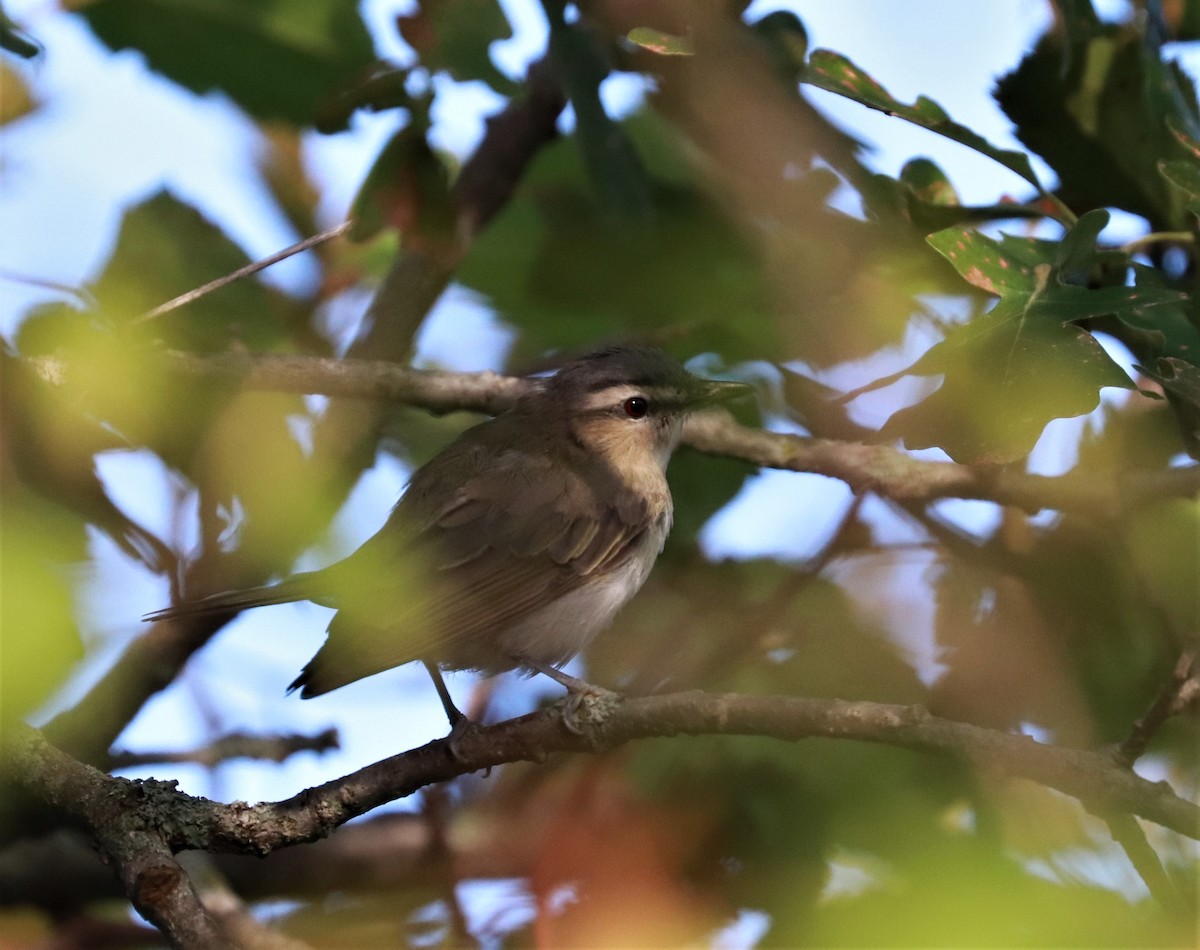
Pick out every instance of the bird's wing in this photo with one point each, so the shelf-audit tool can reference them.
(504, 544)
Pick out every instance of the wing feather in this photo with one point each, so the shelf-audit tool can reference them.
(501, 547)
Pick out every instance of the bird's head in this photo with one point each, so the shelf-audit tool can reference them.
(628, 403)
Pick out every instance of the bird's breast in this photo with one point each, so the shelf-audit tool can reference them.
(566, 626)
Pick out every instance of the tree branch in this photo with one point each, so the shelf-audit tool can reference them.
(186, 822)
(235, 745)
(877, 468)
(1166, 704)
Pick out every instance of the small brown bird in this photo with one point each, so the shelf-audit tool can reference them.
(516, 544)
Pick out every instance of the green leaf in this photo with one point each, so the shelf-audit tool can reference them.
(656, 41)
(275, 58)
(1160, 331)
(166, 247)
(16, 40)
(837, 74)
(613, 165)
(383, 86)
(783, 35)
(1009, 372)
(408, 188)
(561, 267)
(1180, 381)
(1098, 111)
(455, 35)
(1186, 177)
(38, 634)
(924, 196)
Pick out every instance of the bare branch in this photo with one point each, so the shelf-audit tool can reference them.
(1166, 704)
(235, 745)
(160, 889)
(877, 468)
(195, 823)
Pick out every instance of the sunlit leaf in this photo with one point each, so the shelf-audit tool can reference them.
(835, 73)
(38, 637)
(1010, 371)
(166, 247)
(656, 41)
(16, 100)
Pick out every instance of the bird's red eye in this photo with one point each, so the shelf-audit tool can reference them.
(636, 407)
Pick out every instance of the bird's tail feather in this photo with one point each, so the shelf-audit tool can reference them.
(298, 587)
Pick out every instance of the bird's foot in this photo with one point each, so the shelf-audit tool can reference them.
(461, 728)
(586, 704)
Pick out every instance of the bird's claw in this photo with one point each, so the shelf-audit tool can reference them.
(463, 727)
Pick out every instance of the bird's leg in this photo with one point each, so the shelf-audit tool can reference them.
(460, 722)
(580, 693)
(456, 716)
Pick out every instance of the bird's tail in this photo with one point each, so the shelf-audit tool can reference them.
(298, 587)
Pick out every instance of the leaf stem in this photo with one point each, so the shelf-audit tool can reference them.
(1137, 245)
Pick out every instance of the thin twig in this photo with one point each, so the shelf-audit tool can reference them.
(1164, 706)
(235, 745)
(1146, 241)
(249, 269)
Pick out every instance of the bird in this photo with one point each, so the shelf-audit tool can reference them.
(515, 545)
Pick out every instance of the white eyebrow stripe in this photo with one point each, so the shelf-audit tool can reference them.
(611, 396)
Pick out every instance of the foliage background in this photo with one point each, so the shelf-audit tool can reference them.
(702, 202)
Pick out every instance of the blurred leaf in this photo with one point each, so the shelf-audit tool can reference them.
(1117, 650)
(1164, 547)
(1006, 664)
(166, 247)
(656, 41)
(1186, 177)
(381, 86)
(924, 195)
(407, 188)
(15, 98)
(1013, 369)
(558, 266)
(38, 636)
(835, 73)
(613, 165)
(17, 42)
(701, 486)
(1180, 381)
(454, 35)
(786, 40)
(1184, 20)
(764, 830)
(276, 59)
(52, 439)
(960, 893)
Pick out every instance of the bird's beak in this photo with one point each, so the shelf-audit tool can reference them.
(711, 391)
